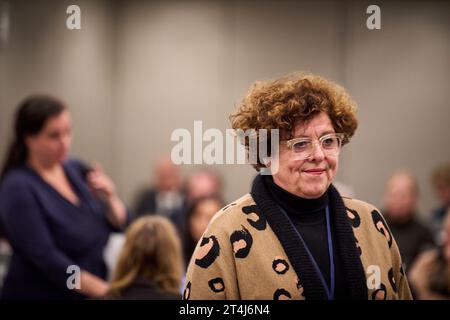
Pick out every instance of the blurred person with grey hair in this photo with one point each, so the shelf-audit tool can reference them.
(203, 183)
(400, 211)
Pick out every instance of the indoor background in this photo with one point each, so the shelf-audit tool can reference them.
(137, 70)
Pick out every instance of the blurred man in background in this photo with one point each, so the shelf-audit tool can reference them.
(400, 209)
(165, 197)
(203, 183)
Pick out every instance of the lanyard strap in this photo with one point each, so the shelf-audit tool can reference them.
(329, 290)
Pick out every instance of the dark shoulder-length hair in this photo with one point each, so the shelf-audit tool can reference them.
(189, 242)
(31, 116)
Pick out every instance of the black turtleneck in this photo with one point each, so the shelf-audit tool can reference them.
(309, 218)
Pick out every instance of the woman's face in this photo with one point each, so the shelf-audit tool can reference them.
(201, 216)
(308, 178)
(52, 143)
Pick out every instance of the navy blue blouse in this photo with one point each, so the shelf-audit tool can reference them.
(48, 234)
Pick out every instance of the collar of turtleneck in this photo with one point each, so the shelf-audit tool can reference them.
(301, 208)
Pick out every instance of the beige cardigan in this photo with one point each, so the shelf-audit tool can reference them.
(238, 259)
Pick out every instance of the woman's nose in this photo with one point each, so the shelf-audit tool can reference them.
(316, 152)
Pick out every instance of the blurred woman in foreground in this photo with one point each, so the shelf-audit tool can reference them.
(150, 264)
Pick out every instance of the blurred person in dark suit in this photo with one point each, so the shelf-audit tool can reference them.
(400, 211)
(57, 213)
(165, 197)
(203, 183)
(150, 263)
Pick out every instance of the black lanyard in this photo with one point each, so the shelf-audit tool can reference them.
(330, 291)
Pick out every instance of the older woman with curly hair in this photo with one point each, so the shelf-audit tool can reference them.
(293, 236)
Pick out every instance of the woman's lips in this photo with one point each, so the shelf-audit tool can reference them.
(316, 172)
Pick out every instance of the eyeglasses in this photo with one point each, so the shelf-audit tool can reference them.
(303, 148)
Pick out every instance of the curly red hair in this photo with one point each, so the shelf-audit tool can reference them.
(298, 97)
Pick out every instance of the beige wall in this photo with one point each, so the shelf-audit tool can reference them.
(43, 56)
(400, 78)
(187, 61)
(140, 69)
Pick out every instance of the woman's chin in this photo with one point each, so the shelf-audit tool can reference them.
(315, 189)
(313, 193)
